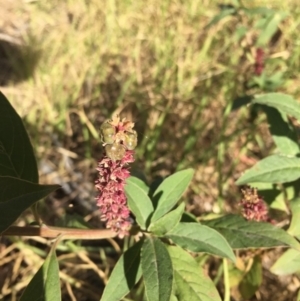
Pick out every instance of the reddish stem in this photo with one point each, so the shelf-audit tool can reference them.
(54, 232)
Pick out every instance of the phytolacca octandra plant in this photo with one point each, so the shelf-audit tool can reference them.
(259, 61)
(119, 140)
(253, 205)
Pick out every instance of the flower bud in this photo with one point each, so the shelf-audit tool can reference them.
(130, 140)
(107, 133)
(115, 151)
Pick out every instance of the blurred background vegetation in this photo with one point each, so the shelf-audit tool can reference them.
(182, 70)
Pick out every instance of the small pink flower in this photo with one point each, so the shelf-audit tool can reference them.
(259, 61)
(111, 199)
(253, 206)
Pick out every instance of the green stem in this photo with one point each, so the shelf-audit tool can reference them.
(226, 280)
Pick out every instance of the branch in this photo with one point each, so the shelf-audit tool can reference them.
(54, 232)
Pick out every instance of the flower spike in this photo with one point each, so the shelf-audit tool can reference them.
(119, 139)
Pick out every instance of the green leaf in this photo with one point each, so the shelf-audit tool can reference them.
(45, 284)
(279, 202)
(243, 234)
(270, 29)
(287, 263)
(264, 11)
(17, 195)
(190, 281)
(168, 221)
(224, 13)
(252, 280)
(16, 154)
(138, 201)
(284, 138)
(273, 169)
(170, 191)
(157, 270)
(140, 183)
(279, 101)
(125, 274)
(198, 238)
(294, 228)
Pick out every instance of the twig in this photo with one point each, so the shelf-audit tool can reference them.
(54, 232)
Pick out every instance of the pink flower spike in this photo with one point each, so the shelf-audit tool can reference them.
(113, 170)
(253, 206)
(259, 61)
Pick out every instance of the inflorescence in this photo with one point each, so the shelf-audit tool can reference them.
(119, 140)
(253, 206)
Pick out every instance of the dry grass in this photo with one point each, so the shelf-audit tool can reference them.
(73, 63)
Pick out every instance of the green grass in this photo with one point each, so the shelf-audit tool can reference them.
(95, 57)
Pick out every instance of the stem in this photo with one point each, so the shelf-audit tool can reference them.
(54, 232)
(226, 280)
